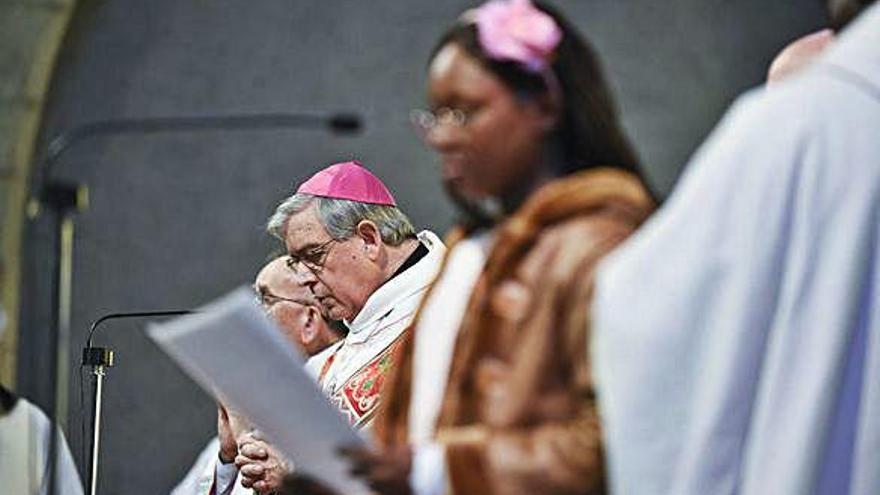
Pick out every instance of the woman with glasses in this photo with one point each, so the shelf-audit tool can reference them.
(493, 393)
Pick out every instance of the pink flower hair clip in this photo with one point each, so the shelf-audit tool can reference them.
(516, 31)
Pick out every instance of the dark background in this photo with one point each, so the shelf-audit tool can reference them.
(177, 220)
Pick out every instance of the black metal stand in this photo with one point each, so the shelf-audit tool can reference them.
(100, 359)
(65, 201)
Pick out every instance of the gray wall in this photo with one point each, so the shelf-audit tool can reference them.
(176, 220)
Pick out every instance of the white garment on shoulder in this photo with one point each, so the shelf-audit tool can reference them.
(24, 449)
(736, 336)
(434, 343)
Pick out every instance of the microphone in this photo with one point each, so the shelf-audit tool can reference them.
(101, 358)
(337, 123)
(122, 316)
(346, 123)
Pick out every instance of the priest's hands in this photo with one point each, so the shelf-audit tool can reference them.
(386, 471)
(260, 465)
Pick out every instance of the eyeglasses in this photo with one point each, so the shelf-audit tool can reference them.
(266, 299)
(426, 120)
(313, 258)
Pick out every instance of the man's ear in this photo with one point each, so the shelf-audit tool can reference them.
(309, 331)
(369, 233)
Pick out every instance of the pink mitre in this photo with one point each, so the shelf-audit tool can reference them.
(348, 180)
(798, 54)
(517, 31)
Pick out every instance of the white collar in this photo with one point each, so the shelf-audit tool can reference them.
(406, 284)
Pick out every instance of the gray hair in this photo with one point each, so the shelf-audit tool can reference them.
(340, 217)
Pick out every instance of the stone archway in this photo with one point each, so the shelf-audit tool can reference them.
(31, 32)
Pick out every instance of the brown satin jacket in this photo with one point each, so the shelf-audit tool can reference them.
(519, 413)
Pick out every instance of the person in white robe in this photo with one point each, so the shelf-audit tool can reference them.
(736, 340)
(25, 433)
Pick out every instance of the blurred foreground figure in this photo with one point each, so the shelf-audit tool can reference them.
(737, 336)
(24, 448)
(290, 303)
(493, 394)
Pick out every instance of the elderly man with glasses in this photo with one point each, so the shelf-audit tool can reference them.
(365, 265)
(288, 301)
(284, 295)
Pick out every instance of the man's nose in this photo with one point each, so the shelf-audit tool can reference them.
(310, 280)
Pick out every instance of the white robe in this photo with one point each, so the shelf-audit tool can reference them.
(24, 449)
(736, 338)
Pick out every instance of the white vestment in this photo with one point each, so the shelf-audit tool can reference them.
(24, 449)
(353, 374)
(736, 337)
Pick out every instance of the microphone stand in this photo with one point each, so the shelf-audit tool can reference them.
(65, 199)
(101, 359)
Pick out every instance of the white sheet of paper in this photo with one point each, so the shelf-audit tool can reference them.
(232, 349)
